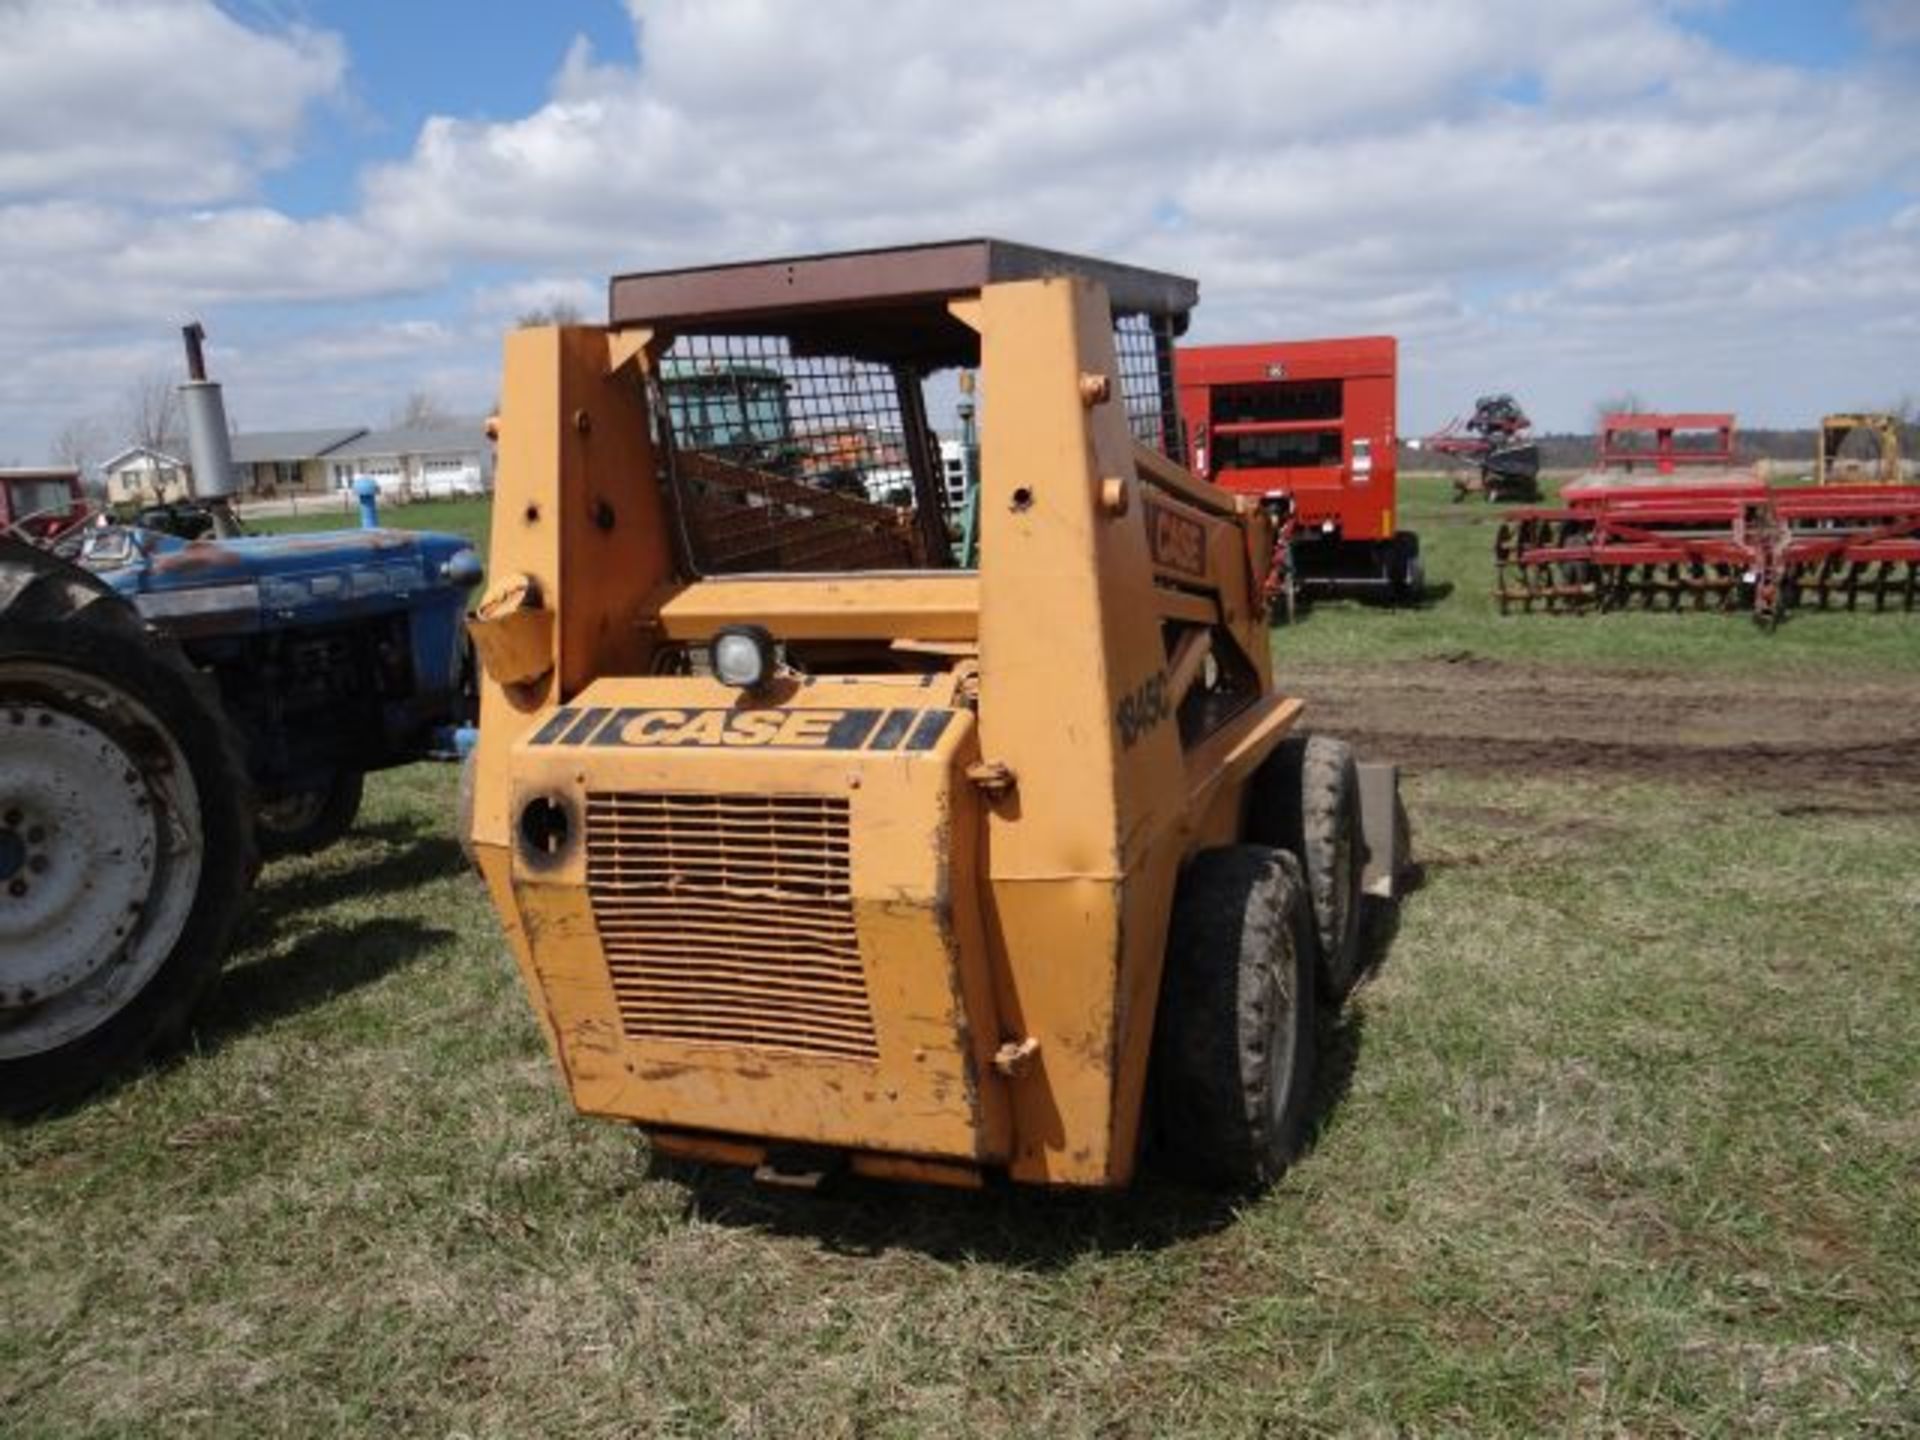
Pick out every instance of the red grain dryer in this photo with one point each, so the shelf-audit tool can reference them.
(1309, 426)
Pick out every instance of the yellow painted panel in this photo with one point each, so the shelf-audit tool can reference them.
(928, 1086)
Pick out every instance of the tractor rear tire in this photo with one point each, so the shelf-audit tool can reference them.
(1306, 801)
(305, 822)
(126, 834)
(1233, 1062)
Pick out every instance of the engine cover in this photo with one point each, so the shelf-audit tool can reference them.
(748, 916)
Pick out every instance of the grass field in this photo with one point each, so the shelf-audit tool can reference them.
(1622, 1138)
(462, 517)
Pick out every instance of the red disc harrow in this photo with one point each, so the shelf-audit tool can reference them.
(1726, 545)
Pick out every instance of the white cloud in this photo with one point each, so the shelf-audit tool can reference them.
(254, 253)
(1544, 196)
(164, 100)
(1354, 145)
(505, 304)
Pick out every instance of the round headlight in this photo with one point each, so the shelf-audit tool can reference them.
(743, 656)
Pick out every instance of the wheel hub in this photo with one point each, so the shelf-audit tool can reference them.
(99, 854)
(83, 844)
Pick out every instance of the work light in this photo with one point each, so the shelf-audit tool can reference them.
(743, 656)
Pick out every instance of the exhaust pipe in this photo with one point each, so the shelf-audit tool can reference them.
(208, 448)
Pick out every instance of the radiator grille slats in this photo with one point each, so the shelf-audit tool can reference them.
(728, 919)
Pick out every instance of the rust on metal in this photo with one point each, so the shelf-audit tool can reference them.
(878, 278)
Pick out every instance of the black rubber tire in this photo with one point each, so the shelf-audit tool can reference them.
(334, 808)
(56, 614)
(1306, 800)
(1233, 1061)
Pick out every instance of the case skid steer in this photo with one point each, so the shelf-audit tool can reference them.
(818, 851)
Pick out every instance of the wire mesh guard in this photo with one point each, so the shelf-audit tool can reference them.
(795, 461)
(798, 462)
(1143, 345)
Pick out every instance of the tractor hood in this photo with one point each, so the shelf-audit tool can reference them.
(264, 580)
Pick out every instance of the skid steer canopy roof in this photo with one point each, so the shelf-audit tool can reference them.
(810, 299)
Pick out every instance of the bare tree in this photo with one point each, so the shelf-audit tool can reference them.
(81, 443)
(420, 411)
(554, 312)
(1626, 402)
(150, 412)
(1906, 415)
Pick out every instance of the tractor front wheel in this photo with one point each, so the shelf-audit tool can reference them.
(303, 822)
(1233, 1060)
(126, 839)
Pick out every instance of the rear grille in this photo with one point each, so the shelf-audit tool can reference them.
(729, 919)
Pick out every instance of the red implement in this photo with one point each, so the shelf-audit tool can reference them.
(1308, 426)
(1723, 544)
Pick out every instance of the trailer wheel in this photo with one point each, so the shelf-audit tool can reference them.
(1306, 801)
(126, 834)
(1234, 1040)
(303, 822)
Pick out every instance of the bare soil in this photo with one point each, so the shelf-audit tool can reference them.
(1848, 745)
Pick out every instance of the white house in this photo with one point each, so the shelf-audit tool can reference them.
(141, 475)
(288, 462)
(418, 463)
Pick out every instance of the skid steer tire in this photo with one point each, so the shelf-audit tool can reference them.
(1233, 1059)
(126, 834)
(1306, 801)
(308, 821)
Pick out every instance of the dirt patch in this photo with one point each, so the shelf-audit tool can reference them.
(1468, 712)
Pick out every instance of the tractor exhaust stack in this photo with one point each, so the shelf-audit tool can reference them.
(207, 445)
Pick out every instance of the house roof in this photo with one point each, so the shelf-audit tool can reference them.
(464, 438)
(134, 452)
(264, 446)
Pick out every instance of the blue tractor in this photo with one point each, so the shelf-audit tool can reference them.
(171, 710)
(334, 653)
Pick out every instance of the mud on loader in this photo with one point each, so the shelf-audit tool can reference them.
(819, 852)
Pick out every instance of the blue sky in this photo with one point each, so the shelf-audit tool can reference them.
(504, 62)
(1715, 205)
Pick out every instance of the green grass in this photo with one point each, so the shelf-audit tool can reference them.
(1624, 1137)
(472, 518)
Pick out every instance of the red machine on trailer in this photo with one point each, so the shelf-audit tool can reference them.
(1309, 426)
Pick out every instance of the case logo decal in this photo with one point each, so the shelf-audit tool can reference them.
(664, 727)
